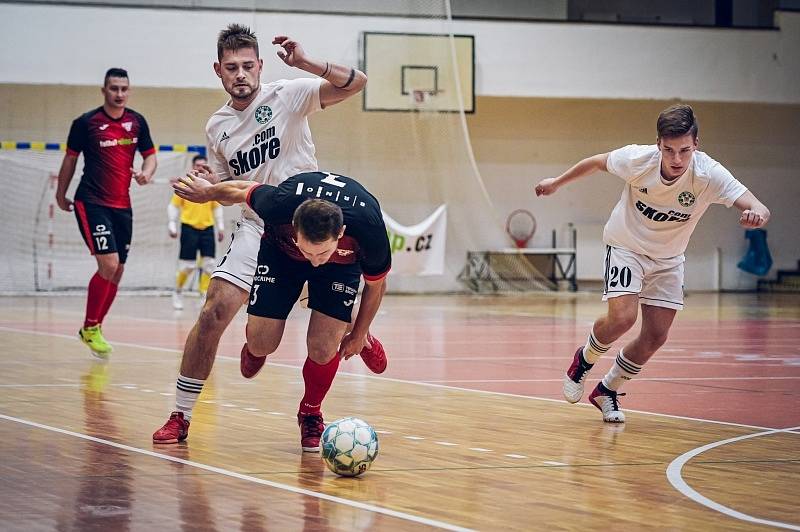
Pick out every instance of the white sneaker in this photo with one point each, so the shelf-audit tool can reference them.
(177, 301)
(576, 377)
(606, 400)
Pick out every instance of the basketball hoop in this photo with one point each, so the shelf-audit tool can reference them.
(520, 226)
(423, 99)
(419, 97)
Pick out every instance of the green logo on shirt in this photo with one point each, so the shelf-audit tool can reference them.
(263, 114)
(686, 198)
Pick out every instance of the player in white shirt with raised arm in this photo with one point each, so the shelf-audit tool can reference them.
(668, 187)
(261, 134)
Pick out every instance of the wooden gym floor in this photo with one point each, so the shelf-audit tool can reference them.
(473, 431)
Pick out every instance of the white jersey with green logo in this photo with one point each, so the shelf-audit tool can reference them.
(655, 218)
(270, 140)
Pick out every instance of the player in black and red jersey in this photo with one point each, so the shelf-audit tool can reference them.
(108, 137)
(320, 228)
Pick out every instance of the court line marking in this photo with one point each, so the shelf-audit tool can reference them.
(519, 396)
(248, 478)
(777, 378)
(401, 381)
(777, 322)
(674, 476)
(39, 385)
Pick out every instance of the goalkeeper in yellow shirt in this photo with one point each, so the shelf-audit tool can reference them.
(197, 234)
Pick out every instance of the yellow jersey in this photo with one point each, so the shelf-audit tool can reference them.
(197, 215)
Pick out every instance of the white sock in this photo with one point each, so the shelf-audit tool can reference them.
(593, 349)
(186, 394)
(623, 370)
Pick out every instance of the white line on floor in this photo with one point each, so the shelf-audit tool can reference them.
(401, 381)
(675, 478)
(248, 478)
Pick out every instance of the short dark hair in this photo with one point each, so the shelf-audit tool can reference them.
(234, 37)
(318, 220)
(677, 121)
(198, 157)
(114, 73)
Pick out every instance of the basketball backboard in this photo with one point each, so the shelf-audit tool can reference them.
(402, 66)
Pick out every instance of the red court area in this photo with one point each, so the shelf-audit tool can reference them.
(729, 358)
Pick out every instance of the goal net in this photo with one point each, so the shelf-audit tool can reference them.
(43, 249)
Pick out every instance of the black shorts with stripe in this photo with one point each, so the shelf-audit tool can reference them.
(279, 279)
(105, 229)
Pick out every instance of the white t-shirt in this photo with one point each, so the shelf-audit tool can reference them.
(269, 141)
(654, 218)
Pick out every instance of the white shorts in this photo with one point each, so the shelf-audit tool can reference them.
(657, 282)
(238, 265)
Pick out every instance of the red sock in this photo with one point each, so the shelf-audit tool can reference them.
(95, 300)
(111, 293)
(318, 379)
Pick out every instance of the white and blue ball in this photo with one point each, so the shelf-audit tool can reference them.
(349, 446)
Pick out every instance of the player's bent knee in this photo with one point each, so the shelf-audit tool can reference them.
(626, 321)
(620, 323)
(107, 266)
(215, 315)
(117, 277)
(321, 353)
(260, 346)
(656, 340)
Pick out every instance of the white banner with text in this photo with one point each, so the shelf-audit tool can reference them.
(418, 249)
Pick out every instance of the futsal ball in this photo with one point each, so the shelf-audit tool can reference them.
(349, 446)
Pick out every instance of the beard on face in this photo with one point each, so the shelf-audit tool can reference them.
(241, 91)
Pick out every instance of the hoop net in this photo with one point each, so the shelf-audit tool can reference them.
(422, 100)
(520, 226)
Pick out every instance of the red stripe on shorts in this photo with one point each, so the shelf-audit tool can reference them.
(85, 224)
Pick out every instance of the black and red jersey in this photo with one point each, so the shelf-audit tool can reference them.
(108, 146)
(365, 240)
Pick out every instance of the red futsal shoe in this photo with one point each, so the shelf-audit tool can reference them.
(175, 430)
(250, 364)
(311, 429)
(374, 357)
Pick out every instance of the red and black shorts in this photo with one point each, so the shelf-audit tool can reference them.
(105, 229)
(279, 279)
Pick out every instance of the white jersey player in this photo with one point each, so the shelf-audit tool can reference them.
(267, 142)
(261, 134)
(668, 187)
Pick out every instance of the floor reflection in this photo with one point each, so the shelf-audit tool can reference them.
(103, 501)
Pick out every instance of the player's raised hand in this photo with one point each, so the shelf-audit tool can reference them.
(140, 176)
(289, 51)
(752, 219)
(547, 186)
(193, 187)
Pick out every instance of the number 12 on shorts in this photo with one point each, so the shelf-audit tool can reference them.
(101, 243)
